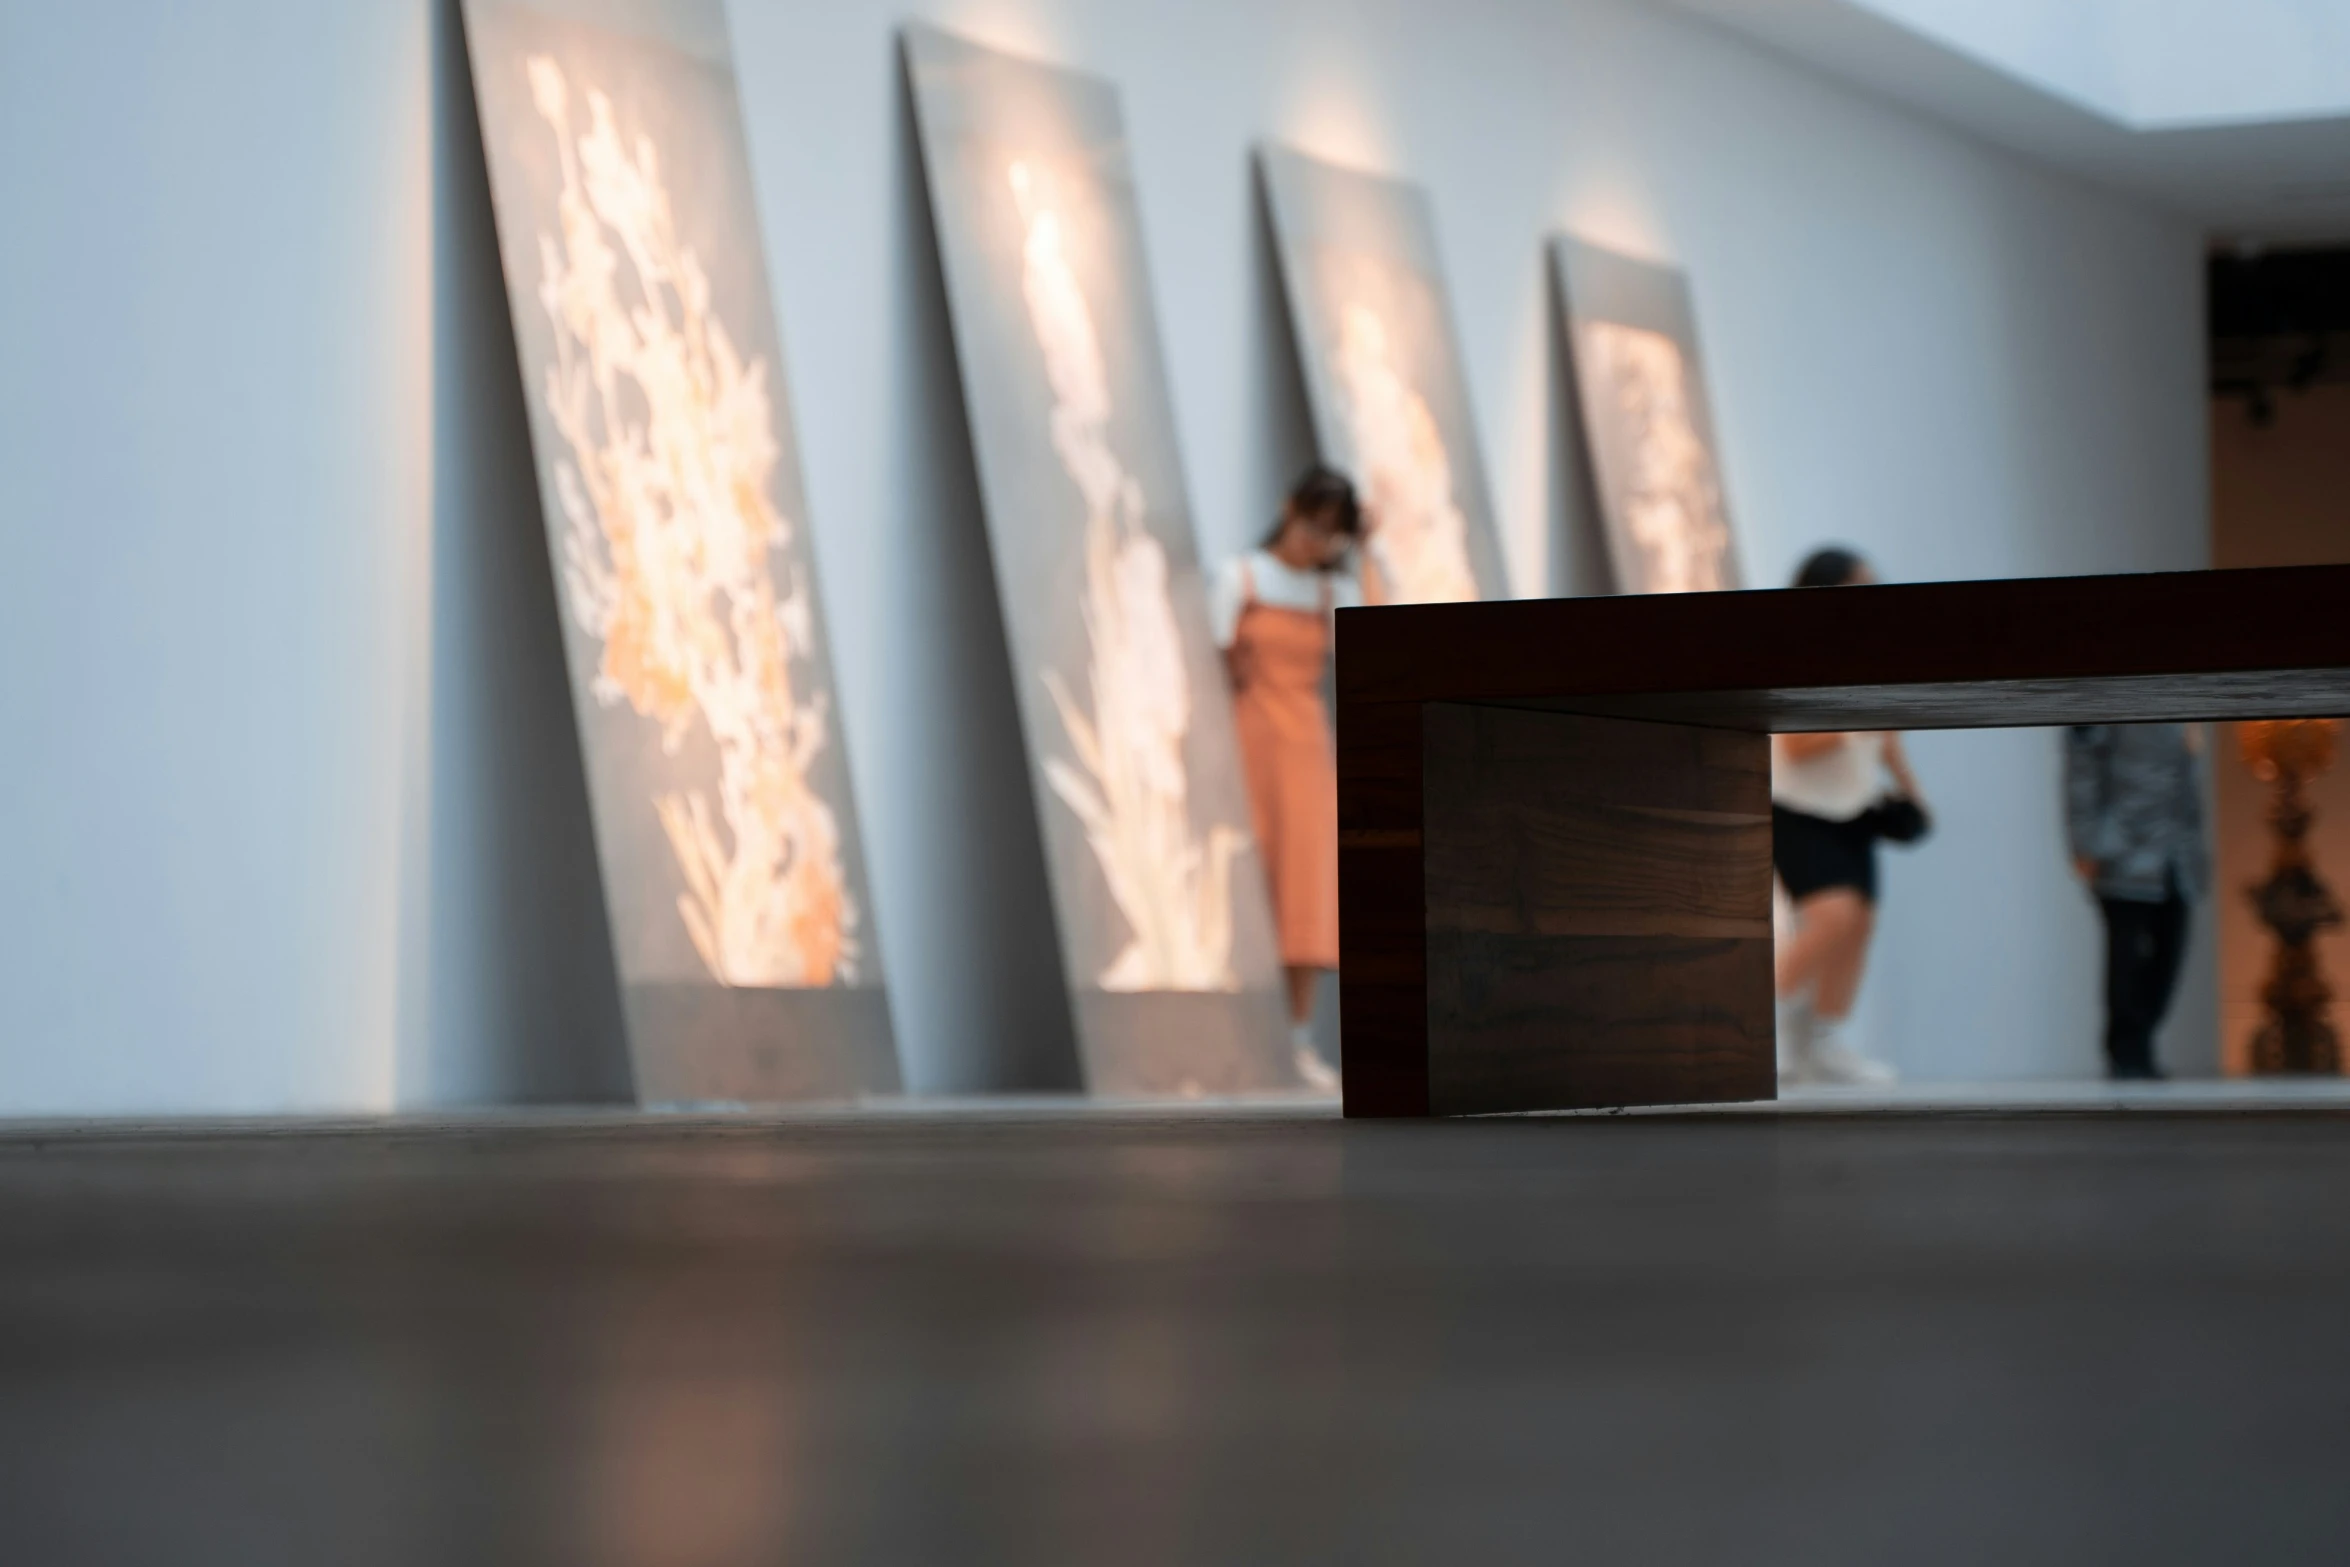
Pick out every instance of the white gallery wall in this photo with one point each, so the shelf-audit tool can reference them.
(290, 817)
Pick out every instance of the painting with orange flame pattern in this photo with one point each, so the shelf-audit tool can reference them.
(685, 580)
(1165, 927)
(1383, 376)
(1647, 425)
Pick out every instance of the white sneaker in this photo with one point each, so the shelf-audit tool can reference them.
(1318, 1075)
(1834, 1061)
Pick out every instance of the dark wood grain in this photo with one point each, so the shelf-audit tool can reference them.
(1983, 704)
(1547, 824)
(1382, 978)
(1597, 907)
(1545, 1023)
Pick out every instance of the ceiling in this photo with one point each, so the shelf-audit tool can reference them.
(2155, 64)
(2234, 114)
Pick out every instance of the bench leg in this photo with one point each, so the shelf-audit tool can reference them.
(1596, 912)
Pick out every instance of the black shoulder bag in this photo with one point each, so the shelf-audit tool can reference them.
(1898, 819)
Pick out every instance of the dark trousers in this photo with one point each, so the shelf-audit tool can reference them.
(2144, 943)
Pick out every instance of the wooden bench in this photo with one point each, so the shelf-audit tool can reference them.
(1554, 814)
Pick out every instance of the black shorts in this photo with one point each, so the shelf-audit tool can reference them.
(1813, 854)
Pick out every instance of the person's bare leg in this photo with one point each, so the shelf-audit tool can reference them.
(1834, 942)
(1302, 981)
(1842, 960)
(1798, 959)
(1825, 925)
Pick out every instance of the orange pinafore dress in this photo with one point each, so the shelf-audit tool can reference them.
(1279, 658)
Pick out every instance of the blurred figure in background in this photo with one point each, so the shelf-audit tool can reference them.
(1271, 612)
(1829, 806)
(2134, 820)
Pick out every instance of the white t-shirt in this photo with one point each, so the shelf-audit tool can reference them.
(1277, 586)
(1836, 785)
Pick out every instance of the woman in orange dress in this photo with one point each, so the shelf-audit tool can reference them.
(1272, 609)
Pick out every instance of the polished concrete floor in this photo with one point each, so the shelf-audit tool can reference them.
(1962, 1330)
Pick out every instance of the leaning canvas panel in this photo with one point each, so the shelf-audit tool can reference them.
(669, 478)
(1383, 376)
(1647, 425)
(1165, 929)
